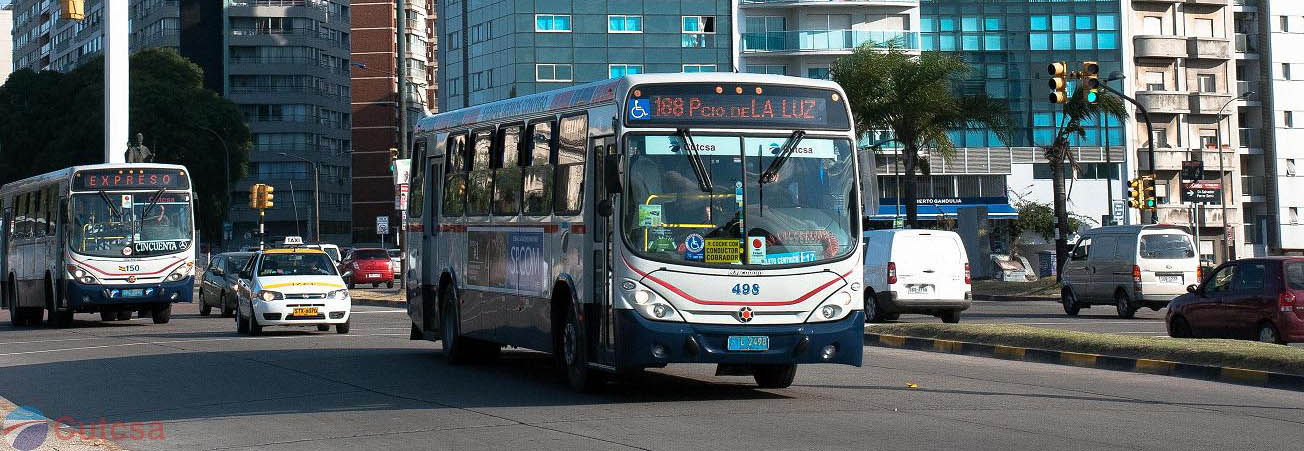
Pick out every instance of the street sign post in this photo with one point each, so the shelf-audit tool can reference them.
(1201, 192)
(1118, 210)
(382, 229)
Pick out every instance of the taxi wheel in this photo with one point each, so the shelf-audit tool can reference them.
(323, 327)
(161, 315)
(774, 376)
(342, 328)
(241, 327)
(255, 329)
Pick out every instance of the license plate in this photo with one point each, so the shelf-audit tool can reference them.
(1170, 279)
(373, 275)
(749, 343)
(133, 293)
(920, 289)
(304, 311)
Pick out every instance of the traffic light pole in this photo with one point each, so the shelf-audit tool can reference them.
(1150, 134)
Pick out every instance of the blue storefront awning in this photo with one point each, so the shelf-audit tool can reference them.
(931, 211)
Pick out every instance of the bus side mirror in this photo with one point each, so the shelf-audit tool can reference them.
(612, 169)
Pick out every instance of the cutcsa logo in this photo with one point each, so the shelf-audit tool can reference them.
(25, 428)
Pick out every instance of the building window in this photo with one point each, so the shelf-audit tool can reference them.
(693, 68)
(1161, 191)
(1285, 71)
(552, 23)
(1289, 117)
(1207, 82)
(1285, 23)
(1152, 25)
(821, 73)
(772, 69)
(1290, 167)
(624, 24)
(1038, 41)
(553, 72)
(1204, 28)
(698, 24)
(1294, 215)
(621, 70)
(1160, 137)
(1154, 81)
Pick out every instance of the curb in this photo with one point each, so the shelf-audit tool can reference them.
(993, 297)
(1134, 365)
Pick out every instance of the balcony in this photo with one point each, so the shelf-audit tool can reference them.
(1211, 215)
(1246, 43)
(1158, 46)
(827, 40)
(1254, 186)
(1171, 160)
(1243, 87)
(1251, 138)
(1208, 48)
(1165, 101)
(1208, 102)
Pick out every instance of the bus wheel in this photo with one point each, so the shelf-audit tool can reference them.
(109, 316)
(774, 376)
(62, 320)
(575, 357)
(162, 315)
(124, 315)
(455, 350)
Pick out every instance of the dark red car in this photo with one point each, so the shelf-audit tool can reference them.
(368, 265)
(1256, 298)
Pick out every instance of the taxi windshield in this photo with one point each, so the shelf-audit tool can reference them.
(296, 264)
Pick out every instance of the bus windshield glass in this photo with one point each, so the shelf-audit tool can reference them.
(803, 214)
(151, 223)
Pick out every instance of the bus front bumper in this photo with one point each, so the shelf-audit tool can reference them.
(646, 343)
(120, 297)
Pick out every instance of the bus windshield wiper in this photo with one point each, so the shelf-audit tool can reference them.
(109, 202)
(153, 200)
(695, 160)
(785, 152)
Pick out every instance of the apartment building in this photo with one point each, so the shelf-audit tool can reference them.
(797, 38)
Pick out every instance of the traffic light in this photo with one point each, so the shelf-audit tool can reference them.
(260, 196)
(393, 157)
(72, 9)
(266, 197)
(1059, 82)
(1148, 192)
(253, 195)
(1135, 193)
(1091, 80)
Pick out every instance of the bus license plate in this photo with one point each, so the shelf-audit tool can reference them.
(133, 293)
(749, 343)
(304, 311)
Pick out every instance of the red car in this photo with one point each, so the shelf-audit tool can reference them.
(1256, 298)
(368, 265)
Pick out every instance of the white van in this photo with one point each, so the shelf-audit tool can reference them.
(1129, 267)
(916, 271)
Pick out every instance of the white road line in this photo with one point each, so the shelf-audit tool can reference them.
(54, 340)
(197, 340)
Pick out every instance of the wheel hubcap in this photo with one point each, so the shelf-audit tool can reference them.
(1265, 334)
(569, 345)
(871, 308)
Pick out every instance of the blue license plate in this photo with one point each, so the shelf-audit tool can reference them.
(133, 293)
(749, 343)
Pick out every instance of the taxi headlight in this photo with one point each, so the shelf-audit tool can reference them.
(338, 294)
(181, 272)
(271, 296)
(82, 276)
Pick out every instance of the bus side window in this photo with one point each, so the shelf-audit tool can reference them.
(51, 209)
(479, 191)
(37, 214)
(20, 215)
(455, 178)
(569, 196)
(538, 177)
(507, 172)
(416, 186)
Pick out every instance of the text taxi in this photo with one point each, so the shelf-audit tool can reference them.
(291, 287)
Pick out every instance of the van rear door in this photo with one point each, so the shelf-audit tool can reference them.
(1168, 262)
(929, 266)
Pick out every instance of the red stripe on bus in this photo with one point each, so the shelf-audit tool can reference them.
(93, 268)
(551, 228)
(578, 229)
(695, 300)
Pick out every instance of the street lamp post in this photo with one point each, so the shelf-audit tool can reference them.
(1227, 243)
(1150, 126)
(226, 158)
(316, 195)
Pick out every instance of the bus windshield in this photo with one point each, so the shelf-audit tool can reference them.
(105, 223)
(803, 214)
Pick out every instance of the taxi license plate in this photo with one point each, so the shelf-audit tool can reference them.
(373, 275)
(133, 293)
(1170, 279)
(749, 343)
(304, 311)
(920, 289)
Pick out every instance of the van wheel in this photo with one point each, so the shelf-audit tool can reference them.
(774, 376)
(1268, 334)
(950, 316)
(1124, 305)
(1179, 328)
(873, 314)
(1070, 301)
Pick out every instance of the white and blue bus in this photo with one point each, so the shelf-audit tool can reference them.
(643, 221)
(108, 238)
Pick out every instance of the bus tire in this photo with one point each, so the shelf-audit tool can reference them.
(124, 315)
(456, 349)
(574, 354)
(62, 320)
(774, 376)
(108, 316)
(162, 315)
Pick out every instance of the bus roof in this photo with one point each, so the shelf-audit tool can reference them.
(595, 93)
(66, 173)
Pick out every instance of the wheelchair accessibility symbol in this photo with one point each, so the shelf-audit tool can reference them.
(640, 109)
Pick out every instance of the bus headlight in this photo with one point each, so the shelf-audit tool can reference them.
(653, 307)
(181, 272)
(338, 294)
(834, 308)
(82, 276)
(269, 296)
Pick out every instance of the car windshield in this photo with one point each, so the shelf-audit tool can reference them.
(370, 254)
(803, 215)
(1166, 246)
(296, 264)
(104, 224)
(235, 262)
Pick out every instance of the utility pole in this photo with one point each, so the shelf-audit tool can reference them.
(402, 128)
(117, 90)
(1150, 129)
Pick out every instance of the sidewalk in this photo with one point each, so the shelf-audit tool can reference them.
(361, 297)
(67, 440)
(1044, 290)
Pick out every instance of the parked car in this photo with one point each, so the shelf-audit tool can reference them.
(396, 262)
(1256, 298)
(916, 271)
(368, 265)
(217, 286)
(331, 251)
(1129, 267)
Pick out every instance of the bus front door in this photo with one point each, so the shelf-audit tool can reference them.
(600, 233)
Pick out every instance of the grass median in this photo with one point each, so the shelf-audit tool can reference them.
(1213, 352)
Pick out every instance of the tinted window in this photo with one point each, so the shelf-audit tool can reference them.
(296, 265)
(236, 262)
(537, 180)
(417, 192)
(1167, 246)
(507, 178)
(1102, 248)
(1080, 252)
(1222, 280)
(1250, 276)
(478, 187)
(570, 164)
(455, 180)
(1295, 275)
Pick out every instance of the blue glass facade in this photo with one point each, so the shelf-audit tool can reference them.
(1009, 43)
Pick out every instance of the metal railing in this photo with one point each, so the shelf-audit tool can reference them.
(818, 40)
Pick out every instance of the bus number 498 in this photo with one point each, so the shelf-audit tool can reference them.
(747, 290)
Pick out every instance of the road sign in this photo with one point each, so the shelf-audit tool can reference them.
(1118, 209)
(382, 225)
(401, 197)
(1201, 192)
(1231, 234)
(1192, 170)
(402, 171)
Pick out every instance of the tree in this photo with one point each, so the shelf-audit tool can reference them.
(916, 97)
(60, 117)
(1076, 111)
(1039, 218)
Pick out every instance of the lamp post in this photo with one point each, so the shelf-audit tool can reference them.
(1150, 126)
(316, 195)
(1227, 243)
(226, 158)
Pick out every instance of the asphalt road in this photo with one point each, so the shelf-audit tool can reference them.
(296, 389)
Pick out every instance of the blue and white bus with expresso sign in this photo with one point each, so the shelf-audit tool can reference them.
(643, 221)
(108, 238)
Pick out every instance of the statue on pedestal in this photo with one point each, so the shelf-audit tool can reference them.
(138, 153)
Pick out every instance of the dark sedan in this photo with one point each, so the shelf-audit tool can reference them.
(216, 287)
(1252, 299)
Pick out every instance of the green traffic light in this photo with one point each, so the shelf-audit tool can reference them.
(1092, 97)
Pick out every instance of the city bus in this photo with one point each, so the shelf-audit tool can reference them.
(106, 238)
(643, 221)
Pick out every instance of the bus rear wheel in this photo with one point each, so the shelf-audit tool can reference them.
(456, 350)
(774, 376)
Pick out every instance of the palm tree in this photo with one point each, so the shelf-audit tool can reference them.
(916, 98)
(1076, 111)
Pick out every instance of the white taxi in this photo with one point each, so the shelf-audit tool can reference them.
(291, 287)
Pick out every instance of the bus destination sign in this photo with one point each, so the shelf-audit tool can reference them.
(742, 106)
(120, 179)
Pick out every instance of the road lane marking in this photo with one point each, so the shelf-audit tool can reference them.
(197, 340)
(53, 340)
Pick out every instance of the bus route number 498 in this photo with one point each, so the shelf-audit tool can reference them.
(747, 290)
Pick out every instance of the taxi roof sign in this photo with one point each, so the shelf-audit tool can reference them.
(293, 240)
